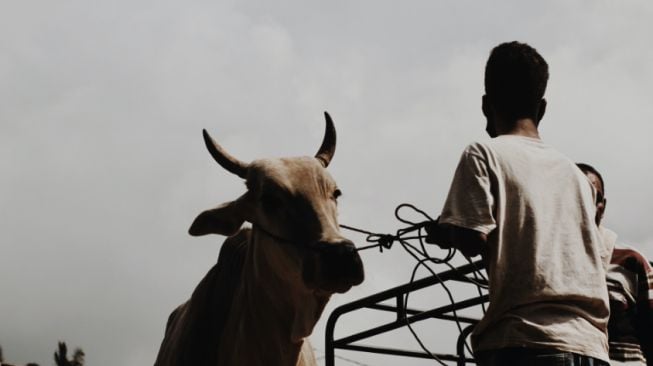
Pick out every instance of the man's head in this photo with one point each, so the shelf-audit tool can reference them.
(597, 181)
(515, 82)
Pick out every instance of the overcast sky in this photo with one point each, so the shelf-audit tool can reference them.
(102, 165)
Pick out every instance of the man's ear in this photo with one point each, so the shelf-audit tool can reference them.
(541, 110)
(225, 219)
(485, 107)
(601, 208)
(490, 126)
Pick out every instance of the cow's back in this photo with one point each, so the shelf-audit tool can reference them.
(194, 329)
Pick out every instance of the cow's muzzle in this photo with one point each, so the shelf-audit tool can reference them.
(334, 267)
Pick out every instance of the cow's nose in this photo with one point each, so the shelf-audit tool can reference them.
(344, 246)
(347, 246)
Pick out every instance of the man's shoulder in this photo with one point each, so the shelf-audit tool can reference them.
(626, 255)
(478, 148)
(509, 146)
(508, 141)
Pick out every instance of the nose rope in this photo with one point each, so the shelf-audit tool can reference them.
(385, 241)
(380, 240)
(308, 245)
(377, 240)
(274, 236)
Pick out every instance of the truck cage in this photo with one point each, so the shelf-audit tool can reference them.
(405, 316)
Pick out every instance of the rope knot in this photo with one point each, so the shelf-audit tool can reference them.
(386, 241)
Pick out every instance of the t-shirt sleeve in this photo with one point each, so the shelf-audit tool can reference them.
(470, 203)
(646, 284)
(645, 307)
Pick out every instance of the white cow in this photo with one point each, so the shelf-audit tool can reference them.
(260, 302)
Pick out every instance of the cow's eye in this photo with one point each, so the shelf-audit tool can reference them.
(270, 201)
(337, 193)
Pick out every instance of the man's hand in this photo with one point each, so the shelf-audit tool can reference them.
(470, 242)
(437, 234)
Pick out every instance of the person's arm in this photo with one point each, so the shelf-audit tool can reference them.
(468, 214)
(470, 242)
(645, 311)
(645, 322)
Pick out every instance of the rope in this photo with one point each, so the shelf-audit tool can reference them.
(385, 241)
(423, 258)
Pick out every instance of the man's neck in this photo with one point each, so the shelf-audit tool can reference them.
(525, 127)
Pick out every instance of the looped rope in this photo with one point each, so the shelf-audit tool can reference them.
(385, 241)
(380, 240)
(422, 257)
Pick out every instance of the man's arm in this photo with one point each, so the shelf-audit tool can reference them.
(645, 310)
(468, 213)
(470, 242)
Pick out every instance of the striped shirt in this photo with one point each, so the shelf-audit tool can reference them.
(630, 287)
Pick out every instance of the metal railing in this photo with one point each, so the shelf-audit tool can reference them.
(405, 316)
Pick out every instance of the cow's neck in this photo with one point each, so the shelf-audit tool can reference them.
(278, 313)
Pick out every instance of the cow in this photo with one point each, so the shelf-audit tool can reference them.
(271, 282)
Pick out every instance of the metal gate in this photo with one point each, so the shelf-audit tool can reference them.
(405, 316)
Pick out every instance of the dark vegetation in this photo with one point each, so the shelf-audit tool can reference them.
(60, 357)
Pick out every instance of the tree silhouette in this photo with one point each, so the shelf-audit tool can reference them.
(2, 360)
(61, 357)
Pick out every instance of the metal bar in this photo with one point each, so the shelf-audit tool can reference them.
(388, 294)
(401, 352)
(460, 345)
(461, 319)
(400, 310)
(409, 287)
(329, 351)
(411, 319)
(392, 309)
(471, 280)
(409, 311)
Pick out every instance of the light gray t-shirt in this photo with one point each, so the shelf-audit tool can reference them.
(546, 262)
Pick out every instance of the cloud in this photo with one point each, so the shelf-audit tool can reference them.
(103, 167)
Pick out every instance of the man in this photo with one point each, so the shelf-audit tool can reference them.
(528, 210)
(630, 280)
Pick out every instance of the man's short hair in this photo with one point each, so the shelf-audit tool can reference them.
(586, 168)
(515, 80)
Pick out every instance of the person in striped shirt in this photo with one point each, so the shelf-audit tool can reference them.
(630, 288)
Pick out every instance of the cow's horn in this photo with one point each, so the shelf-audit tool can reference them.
(328, 148)
(223, 158)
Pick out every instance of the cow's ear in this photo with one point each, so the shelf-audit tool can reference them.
(225, 219)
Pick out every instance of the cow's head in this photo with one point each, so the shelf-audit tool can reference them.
(294, 201)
